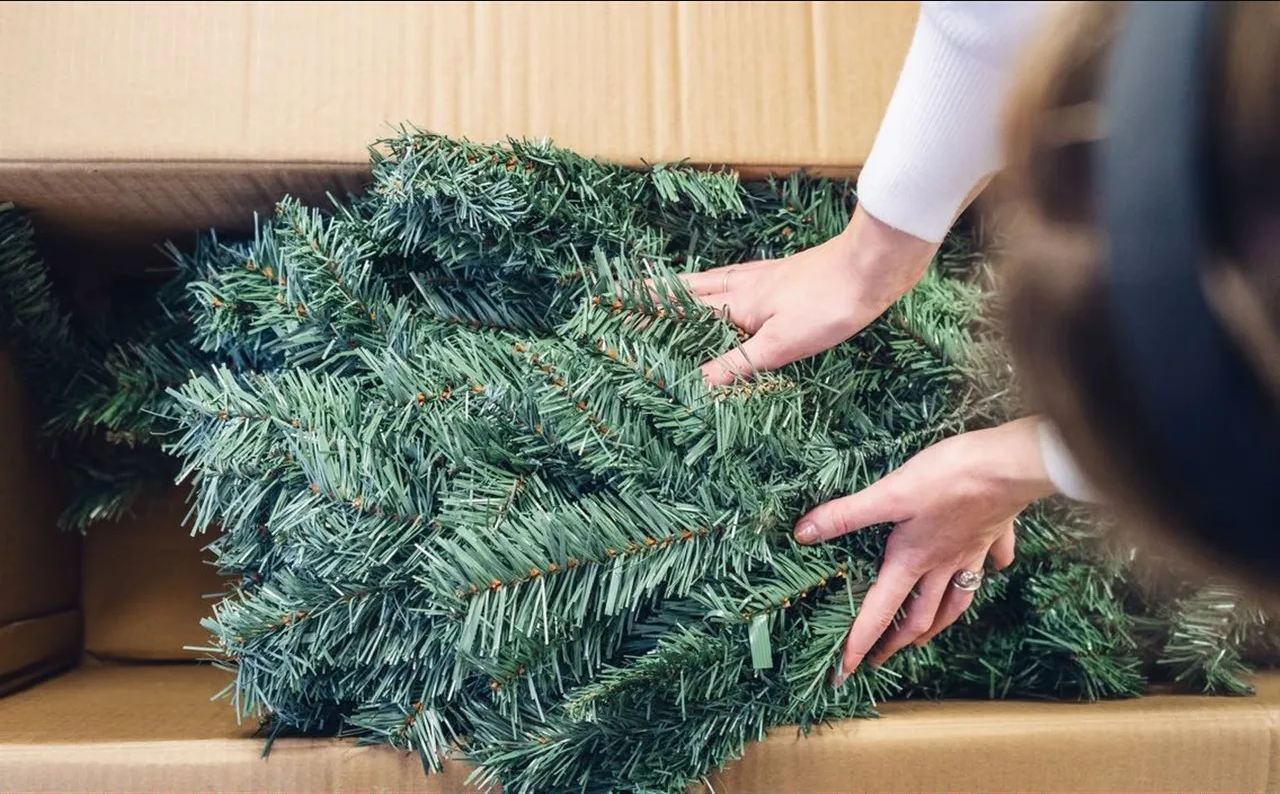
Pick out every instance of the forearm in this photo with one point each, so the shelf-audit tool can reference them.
(939, 139)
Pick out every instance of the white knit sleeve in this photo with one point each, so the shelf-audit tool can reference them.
(1061, 468)
(940, 134)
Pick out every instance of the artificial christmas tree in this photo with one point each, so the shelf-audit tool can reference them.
(479, 499)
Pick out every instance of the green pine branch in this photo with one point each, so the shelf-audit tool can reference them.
(477, 500)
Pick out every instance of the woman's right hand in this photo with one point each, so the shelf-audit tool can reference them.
(802, 305)
(952, 506)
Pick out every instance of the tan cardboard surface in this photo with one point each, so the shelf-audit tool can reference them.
(218, 766)
(129, 208)
(774, 83)
(122, 703)
(132, 122)
(39, 565)
(1154, 744)
(30, 676)
(153, 728)
(147, 584)
(25, 644)
(149, 728)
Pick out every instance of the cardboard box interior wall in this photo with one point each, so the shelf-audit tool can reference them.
(123, 125)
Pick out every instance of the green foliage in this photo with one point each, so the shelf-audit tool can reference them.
(479, 501)
(96, 383)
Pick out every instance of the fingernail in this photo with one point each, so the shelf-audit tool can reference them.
(838, 674)
(807, 533)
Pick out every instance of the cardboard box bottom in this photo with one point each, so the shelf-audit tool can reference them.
(158, 728)
(153, 728)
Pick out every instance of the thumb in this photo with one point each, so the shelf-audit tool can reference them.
(875, 504)
(759, 353)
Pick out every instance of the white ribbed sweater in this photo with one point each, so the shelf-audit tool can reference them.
(940, 137)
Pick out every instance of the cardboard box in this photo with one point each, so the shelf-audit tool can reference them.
(153, 729)
(127, 124)
(125, 121)
(146, 585)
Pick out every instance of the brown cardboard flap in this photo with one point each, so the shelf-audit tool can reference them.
(30, 676)
(129, 208)
(219, 766)
(26, 642)
(122, 704)
(39, 565)
(154, 728)
(147, 584)
(31, 647)
(129, 123)
(149, 728)
(1160, 743)
(718, 82)
(98, 221)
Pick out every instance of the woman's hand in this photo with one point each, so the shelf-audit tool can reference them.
(804, 304)
(952, 505)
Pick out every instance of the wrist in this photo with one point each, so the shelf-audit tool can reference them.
(887, 262)
(1015, 462)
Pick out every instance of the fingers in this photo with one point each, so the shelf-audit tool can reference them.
(708, 281)
(876, 615)
(878, 503)
(919, 618)
(721, 304)
(761, 352)
(1002, 550)
(708, 286)
(954, 603)
(717, 302)
(720, 279)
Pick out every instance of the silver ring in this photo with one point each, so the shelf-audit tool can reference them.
(968, 581)
(724, 283)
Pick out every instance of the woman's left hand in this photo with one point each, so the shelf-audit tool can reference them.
(952, 506)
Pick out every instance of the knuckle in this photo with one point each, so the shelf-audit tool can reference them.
(916, 561)
(856, 651)
(777, 332)
(838, 524)
(944, 622)
(860, 643)
(917, 625)
(881, 621)
(897, 489)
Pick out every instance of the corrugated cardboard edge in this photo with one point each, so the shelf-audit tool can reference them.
(219, 766)
(1273, 769)
(133, 206)
(83, 208)
(1155, 744)
(1188, 752)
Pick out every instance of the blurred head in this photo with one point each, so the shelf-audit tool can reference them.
(1058, 322)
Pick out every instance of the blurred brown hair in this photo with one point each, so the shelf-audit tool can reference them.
(1056, 317)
